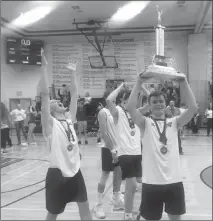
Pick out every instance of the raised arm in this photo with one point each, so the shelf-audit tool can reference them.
(143, 110)
(73, 90)
(102, 119)
(111, 101)
(135, 114)
(189, 97)
(46, 118)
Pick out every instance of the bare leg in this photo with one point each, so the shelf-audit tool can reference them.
(29, 135)
(79, 131)
(84, 211)
(85, 131)
(117, 179)
(130, 189)
(51, 216)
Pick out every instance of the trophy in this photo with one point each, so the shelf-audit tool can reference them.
(159, 67)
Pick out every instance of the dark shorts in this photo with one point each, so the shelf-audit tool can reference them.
(154, 197)
(130, 166)
(107, 160)
(62, 190)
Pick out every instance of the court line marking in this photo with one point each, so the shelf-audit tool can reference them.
(23, 174)
(76, 211)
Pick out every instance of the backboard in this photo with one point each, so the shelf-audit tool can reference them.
(96, 62)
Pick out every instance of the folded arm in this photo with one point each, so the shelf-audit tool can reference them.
(189, 97)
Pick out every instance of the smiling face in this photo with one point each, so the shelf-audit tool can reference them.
(157, 104)
(57, 107)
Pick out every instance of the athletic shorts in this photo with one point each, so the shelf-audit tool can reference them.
(154, 197)
(107, 160)
(130, 166)
(82, 125)
(61, 190)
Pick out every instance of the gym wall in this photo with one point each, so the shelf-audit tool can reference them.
(16, 78)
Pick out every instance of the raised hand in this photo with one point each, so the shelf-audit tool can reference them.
(72, 64)
(43, 59)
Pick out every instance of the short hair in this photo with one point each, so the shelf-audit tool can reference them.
(156, 94)
(123, 94)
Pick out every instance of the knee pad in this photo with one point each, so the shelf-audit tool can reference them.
(101, 188)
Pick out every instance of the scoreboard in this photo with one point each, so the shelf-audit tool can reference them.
(23, 51)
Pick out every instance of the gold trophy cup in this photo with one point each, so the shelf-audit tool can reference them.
(159, 67)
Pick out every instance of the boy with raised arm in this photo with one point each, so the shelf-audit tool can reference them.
(129, 145)
(109, 161)
(162, 182)
(64, 181)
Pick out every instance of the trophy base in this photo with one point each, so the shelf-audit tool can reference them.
(166, 73)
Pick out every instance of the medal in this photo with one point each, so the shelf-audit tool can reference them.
(132, 133)
(163, 150)
(131, 123)
(162, 137)
(70, 147)
(69, 134)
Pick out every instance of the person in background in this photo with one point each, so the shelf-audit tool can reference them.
(87, 102)
(19, 116)
(195, 122)
(182, 109)
(170, 112)
(87, 99)
(81, 121)
(100, 106)
(32, 124)
(65, 97)
(5, 128)
(208, 114)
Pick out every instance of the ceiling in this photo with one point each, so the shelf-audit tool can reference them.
(176, 16)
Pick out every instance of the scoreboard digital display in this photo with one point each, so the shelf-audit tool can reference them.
(23, 51)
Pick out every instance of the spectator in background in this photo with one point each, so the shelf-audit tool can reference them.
(32, 124)
(152, 88)
(100, 106)
(172, 111)
(195, 122)
(174, 97)
(65, 96)
(19, 116)
(81, 121)
(208, 114)
(5, 128)
(182, 109)
(87, 103)
(168, 96)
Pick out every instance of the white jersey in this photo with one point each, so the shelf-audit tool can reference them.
(18, 115)
(209, 113)
(160, 168)
(128, 144)
(60, 157)
(111, 130)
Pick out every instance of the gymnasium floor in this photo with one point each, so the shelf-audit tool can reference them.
(23, 166)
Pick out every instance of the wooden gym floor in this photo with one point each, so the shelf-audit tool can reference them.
(22, 167)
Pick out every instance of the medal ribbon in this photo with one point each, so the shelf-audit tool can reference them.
(163, 138)
(68, 132)
(131, 123)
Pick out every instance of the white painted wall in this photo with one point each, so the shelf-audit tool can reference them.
(25, 78)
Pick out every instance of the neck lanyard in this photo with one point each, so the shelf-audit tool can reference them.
(131, 123)
(162, 138)
(68, 132)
